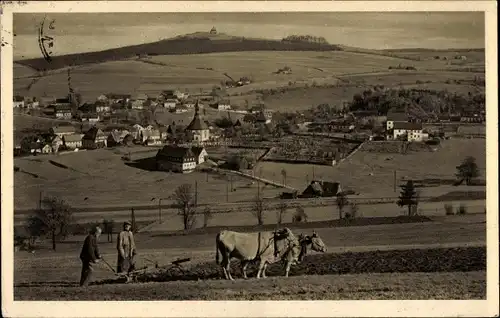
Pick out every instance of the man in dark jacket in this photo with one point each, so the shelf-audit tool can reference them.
(89, 255)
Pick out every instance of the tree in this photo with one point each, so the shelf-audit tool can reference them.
(258, 209)
(468, 170)
(207, 215)
(52, 219)
(108, 228)
(300, 215)
(408, 196)
(184, 201)
(280, 213)
(341, 202)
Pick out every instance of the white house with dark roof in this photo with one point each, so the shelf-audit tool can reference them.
(200, 154)
(175, 158)
(412, 131)
(395, 117)
(62, 130)
(72, 141)
(198, 130)
(170, 103)
(18, 102)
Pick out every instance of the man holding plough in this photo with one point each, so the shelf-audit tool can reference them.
(89, 255)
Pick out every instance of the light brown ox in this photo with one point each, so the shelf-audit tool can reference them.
(266, 247)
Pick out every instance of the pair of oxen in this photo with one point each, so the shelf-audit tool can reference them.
(265, 248)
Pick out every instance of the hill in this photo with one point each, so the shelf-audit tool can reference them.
(195, 43)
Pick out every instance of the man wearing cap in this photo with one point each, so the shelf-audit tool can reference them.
(126, 249)
(89, 255)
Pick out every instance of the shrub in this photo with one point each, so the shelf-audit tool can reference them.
(300, 215)
(448, 209)
(353, 211)
(462, 209)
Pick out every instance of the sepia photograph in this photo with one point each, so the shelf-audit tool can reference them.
(216, 154)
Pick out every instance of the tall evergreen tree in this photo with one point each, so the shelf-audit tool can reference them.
(408, 196)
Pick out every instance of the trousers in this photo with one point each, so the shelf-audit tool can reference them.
(87, 270)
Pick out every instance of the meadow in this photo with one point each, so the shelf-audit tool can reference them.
(198, 73)
(372, 173)
(101, 177)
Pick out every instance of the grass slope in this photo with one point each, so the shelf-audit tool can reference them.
(180, 45)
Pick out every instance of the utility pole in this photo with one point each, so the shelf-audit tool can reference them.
(159, 210)
(227, 191)
(394, 180)
(196, 193)
(231, 178)
(40, 201)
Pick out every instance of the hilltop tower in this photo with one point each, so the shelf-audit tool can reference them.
(213, 30)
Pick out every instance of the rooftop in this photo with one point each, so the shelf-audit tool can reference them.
(408, 126)
(197, 123)
(175, 151)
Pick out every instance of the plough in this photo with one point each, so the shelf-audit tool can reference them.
(131, 276)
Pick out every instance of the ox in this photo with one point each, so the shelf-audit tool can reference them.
(266, 247)
(314, 241)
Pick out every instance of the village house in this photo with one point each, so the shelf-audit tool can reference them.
(136, 130)
(175, 158)
(319, 188)
(395, 117)
(72, 141)
(112, 98)
(116, 137)
(200, 154)
(472, 117)
(189, 103)
(139, 101)
(87, 108)
(170, 103)
(151, 137)
(18, 102)
(62, 111)
(102, 107)
(94, 138)
(173, 94)
(47, 149)
(264, 116)
(179, 109)
(409, 131)
(197, 130)
(90, 117)
(32, 103)
(62, 130)
(222, 105)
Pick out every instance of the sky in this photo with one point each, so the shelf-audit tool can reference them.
(85, 32)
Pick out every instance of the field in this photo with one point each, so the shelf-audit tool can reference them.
(342, 73)
(372, 174)
(348, 270)
(101, 177)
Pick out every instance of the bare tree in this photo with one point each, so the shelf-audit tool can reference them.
(184, 201)
(280, 213)
(108, 228)
(207, 215)
(51, 219)
(258, 209)
(283, 174)
(341, 203)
